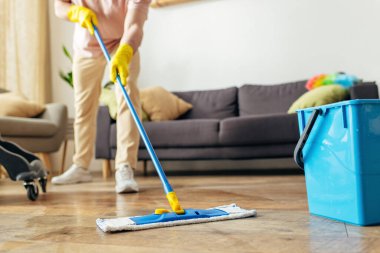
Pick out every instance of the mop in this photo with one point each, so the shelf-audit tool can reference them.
(163, 217)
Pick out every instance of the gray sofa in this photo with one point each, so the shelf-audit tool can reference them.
(249, 122)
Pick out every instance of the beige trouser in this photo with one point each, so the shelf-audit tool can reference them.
(87, 77)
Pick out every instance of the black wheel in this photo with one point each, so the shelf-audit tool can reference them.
(32, 192)
(43, 183)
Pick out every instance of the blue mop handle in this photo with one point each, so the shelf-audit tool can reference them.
(144, 136)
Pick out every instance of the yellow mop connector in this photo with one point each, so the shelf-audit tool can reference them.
(174, 204)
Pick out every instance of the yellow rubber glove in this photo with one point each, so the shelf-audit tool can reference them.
(120, 63)
(84, 16)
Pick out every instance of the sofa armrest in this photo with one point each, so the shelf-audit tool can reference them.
(364, 91)
(103, 129)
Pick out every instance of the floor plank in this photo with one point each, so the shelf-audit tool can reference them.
(63, 220)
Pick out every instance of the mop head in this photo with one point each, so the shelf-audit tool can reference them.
(191, 216)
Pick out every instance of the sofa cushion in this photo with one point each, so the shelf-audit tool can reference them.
(178, 133)
(217, 153)
(365, 90)
(259, 129)
(265, 99)
(211, 104)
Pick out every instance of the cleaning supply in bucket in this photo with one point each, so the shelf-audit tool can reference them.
(341, 78)
(163, 217)
(339, 151)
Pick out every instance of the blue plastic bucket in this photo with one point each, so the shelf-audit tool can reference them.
(341, 159)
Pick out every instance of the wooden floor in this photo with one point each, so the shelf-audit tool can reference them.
(63, 220)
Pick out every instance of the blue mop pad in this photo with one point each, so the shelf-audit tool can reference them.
(161, 217)
(191, 216)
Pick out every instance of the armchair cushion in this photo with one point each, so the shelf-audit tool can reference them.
(26, 127)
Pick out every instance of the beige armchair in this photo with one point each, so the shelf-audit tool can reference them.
(41, 135)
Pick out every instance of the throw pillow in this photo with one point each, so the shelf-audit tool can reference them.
(161, 105)
(144, 116)
(108, 98)
(320, 96)
(17, 106)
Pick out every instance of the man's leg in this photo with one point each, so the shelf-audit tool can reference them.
(127, 133)
(87, 77)
(87, 74)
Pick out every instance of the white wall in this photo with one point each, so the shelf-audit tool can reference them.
(212, 44)
(219, 43)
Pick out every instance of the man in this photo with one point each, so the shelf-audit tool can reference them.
(120, 23)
